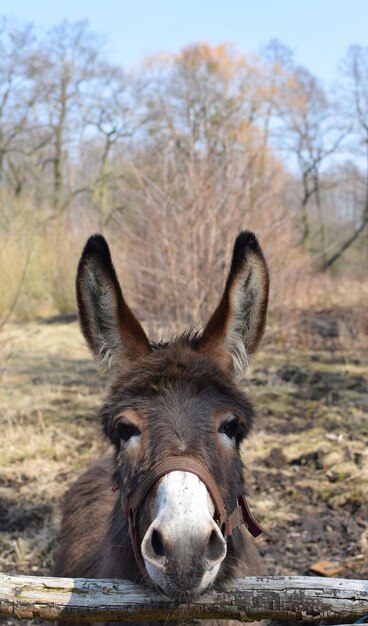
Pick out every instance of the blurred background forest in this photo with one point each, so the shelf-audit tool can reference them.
(170, 160)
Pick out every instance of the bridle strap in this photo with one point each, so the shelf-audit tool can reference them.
(242, 515)
(174, 464)
(133, 534)
(227, 523)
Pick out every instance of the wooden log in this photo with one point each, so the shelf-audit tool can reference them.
(245, 599)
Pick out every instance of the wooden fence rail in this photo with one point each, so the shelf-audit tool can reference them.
(245, 599)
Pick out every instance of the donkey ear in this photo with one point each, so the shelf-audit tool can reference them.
(108, 325)
(236, 327)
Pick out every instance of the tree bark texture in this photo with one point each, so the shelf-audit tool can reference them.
(245, 599)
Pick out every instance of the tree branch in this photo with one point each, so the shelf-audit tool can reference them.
(244, 599)
(348, 242)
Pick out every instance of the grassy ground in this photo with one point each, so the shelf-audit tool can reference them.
(307, 463)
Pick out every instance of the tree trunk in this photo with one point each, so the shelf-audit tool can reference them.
(322, 231)
(59, 146)
(305, 216)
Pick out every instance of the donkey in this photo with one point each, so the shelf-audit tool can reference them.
(167, 508)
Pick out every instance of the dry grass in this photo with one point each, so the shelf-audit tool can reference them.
(172, 255)
(38, 261)
(307, 462)
(319, 307)
(48, 397)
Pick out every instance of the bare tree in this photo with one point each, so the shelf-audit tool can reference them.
(19, 98)
(66, 64)
(310, 132)
(355, 104)
(202, 173)
(114, 116)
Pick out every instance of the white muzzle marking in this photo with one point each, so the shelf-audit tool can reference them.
(183, 514)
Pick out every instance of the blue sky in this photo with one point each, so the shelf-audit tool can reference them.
(318, 30)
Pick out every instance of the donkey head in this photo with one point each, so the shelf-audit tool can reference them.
(177, 401)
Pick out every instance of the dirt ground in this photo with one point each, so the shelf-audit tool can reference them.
(307, 461)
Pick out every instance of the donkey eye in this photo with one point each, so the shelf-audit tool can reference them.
(126, 431)
(230, 429)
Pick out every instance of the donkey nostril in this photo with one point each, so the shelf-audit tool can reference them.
(216, 547)
(213, 541)
(157, 543)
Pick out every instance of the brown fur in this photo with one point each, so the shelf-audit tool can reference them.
(177, 394)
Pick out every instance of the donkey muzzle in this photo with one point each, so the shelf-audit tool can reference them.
(183, 548)
(186, 542)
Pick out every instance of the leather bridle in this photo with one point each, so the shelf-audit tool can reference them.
(227, 523)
